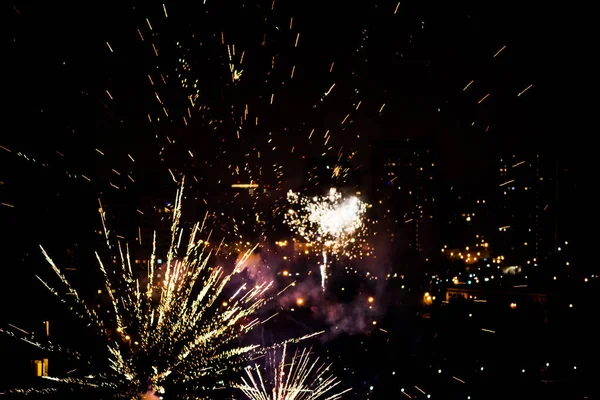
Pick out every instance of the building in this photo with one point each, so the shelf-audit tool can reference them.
(526, 208)
(403, 193)
(465, 226)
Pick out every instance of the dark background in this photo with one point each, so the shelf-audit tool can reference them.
(56, 112)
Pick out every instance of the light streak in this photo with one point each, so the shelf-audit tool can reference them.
(330, 223)
(299, 379)
(165, 327)
(499, 51)
(524, 90)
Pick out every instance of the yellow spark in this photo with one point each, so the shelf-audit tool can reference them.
(173, 303)
(468, 84)
(109, 47)
(483, 98)
(301, 378)
(331, 88)
(499, 51)
(524, 90)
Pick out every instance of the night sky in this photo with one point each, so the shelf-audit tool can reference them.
(416, 62)
(109, 100)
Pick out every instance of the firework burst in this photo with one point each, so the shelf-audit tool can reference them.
(301, 379)
(332, 223)
(174, 329)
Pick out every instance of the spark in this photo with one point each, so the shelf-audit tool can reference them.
(483, 98)
(499, 51)
(468, 84)
(330, 89)
(524, 90)
(301, 379)
(168, 329)
(331, 223)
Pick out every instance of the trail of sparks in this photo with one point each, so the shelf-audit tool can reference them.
(331, 223)
(301, 379)
(171, 329)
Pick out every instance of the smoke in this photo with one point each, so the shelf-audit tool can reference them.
(358, 310)
(261, 265)
(149, 395)
(358, 316)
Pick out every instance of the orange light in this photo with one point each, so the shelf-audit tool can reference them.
(285, 273)
(513, 305)
(371, 299)
(299, 301)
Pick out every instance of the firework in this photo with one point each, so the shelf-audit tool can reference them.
(175, 328)
(331, 223)
(301, 379)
